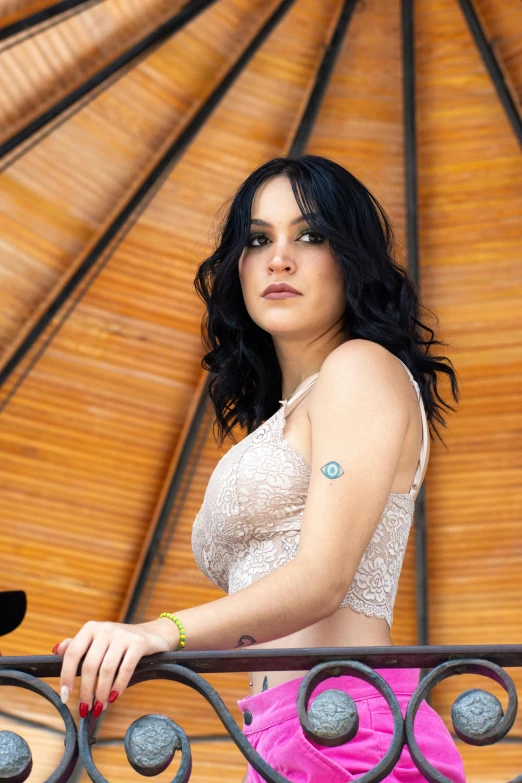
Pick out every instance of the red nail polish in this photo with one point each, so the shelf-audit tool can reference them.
(114, 695)
(55, 648)
(84, 709)
(98, 707)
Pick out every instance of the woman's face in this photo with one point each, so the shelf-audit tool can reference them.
(283, 250)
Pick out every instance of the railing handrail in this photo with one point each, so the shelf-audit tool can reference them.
(294, 658)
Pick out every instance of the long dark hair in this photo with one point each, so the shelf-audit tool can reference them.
(381, 302)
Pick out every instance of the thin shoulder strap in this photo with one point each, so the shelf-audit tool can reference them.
(425, 432)
(289, 403)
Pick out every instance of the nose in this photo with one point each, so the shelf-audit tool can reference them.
(281, 258)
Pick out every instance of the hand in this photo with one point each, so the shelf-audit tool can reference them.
(106, 647)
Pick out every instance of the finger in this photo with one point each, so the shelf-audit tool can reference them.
(107, 673)
(60, 648)
(89, 673)
(132, 657)
(72, 656)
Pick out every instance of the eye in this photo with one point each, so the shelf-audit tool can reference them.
(313, 234)
(255, 236)
(332, 470)
(319, 239)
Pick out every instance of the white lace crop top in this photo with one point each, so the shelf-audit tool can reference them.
(249, 522)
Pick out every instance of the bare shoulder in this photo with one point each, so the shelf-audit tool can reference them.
(362, 359)
(363, 372)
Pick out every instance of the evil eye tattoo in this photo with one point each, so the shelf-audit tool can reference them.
(332, 470)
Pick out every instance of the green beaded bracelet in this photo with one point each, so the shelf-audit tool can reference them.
(181, 629)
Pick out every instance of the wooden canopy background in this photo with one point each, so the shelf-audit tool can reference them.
(96, 411)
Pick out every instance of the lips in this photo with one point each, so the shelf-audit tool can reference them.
(274, 288)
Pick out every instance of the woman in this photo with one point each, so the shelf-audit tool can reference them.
(306, 532)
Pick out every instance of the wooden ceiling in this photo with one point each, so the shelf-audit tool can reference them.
(101, 376)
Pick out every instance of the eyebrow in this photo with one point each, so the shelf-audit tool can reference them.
(259, 222)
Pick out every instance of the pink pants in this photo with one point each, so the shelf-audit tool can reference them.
(274, 731)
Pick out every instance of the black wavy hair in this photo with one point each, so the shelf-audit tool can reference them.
(381, 301)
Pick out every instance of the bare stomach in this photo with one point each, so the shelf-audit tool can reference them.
(343, 628)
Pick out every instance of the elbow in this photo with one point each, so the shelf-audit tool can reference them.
(333, 598)
(333, 594)
(323, 594)
(331, 601)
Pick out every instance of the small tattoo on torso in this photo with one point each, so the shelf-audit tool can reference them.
(265, 683)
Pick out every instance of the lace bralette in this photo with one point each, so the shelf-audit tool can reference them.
(250, 518)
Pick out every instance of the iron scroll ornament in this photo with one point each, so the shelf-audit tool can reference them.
(477, 715)
(150, 725)
(15, 754)
(317, 724)
(332, 720)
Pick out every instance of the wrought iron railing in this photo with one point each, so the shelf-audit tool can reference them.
(151, 741)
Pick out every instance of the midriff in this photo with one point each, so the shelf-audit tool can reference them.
(343, 628)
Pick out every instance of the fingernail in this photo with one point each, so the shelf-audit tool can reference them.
(55, 648)
(98, 707)
(84, 709)
(64, 694)
(114, 695)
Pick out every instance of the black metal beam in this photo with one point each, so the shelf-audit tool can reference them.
(324, 73)
(166, 523)
(163, 168)
(410, 164)
(410, 138)
(44, 15)
(118, 66)
(494, 70)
